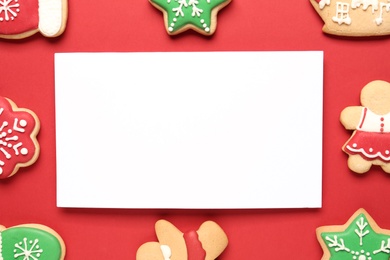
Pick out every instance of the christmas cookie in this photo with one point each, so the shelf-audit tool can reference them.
(354, 17)
(198, 15)
(22, 18)
(208, 242)
(18, 143)
(360, 238)
(30, 242)
(370, 142)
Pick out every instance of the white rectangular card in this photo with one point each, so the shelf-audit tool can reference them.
(189, 129)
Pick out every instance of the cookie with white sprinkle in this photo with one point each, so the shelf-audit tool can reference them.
(182, 15)
(19, 146)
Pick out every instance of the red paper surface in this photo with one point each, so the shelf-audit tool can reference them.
(27, 77)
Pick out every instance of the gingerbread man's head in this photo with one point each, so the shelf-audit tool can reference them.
(376, 97)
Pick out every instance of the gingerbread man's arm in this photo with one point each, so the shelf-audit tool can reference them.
(350, 117)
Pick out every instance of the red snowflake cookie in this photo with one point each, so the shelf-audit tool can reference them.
(18, 143)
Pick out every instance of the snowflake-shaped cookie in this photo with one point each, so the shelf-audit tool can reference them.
(360, 238)
(18, 143)
(198, 15)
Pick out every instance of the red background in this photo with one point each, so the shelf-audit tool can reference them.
(27, 77)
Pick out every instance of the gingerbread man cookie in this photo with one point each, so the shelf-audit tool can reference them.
(198, 15)
(207, 243)
(354, 17)
(360, 238)
(22, 18)
(19, 147)
(370, 142)
(30, 242)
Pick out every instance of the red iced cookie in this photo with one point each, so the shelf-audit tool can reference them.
(22, 18)
(18, 143)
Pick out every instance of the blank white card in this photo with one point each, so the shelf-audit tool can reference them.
(189, 129)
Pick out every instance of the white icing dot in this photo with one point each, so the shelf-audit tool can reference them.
(9, 145)
(24, 151)
(202, 20)
(170, 29)
(387, 152)
(371, 150)
(1, 19)
(207, 29)
(3, 134)
(172, 24)
(174, 19)
(1, 170)
(23, 123)
(9, 131)
(204, 25)
(354, 145)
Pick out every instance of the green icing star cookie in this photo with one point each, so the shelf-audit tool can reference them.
(360, 238)
(181, 15)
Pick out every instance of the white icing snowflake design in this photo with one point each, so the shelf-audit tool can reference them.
(9, 10)
(10, 143)
(27, 250)
(196, 12)
(360, 254)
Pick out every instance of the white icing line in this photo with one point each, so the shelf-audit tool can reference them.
(371, 156)
(50, 17)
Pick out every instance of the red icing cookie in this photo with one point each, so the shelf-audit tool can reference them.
(18, 143)
(370, 142)
(206, 243)
(22, 18)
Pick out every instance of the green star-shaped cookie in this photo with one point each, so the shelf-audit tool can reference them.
(360, 238)
(181, 15)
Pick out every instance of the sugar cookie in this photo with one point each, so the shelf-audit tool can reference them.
(354, 17)
(18, 138)
(360, 238)
(208, 242)
(22, 18)
(30, 242)
(370, 142)
(198, 15)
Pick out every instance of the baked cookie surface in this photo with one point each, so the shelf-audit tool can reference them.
(354, 17)
(207, 243)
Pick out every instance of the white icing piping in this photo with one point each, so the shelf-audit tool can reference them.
(371, 156)
(166, 251)
(50, 17)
